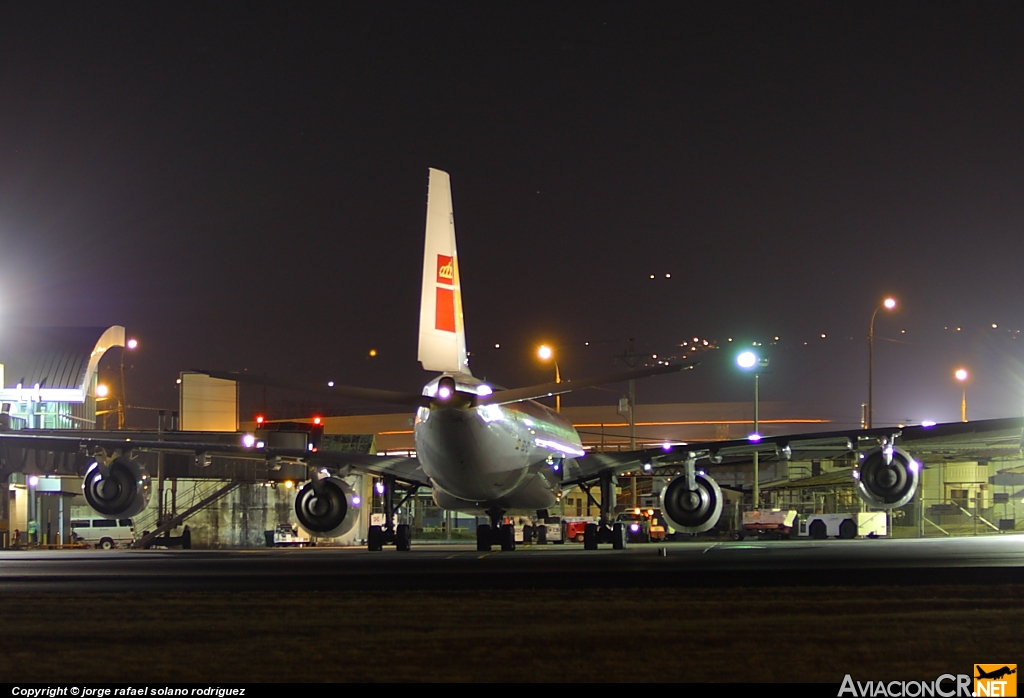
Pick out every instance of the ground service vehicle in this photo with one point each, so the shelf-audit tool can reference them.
(103, 533)
(864, 524)
(767, 523)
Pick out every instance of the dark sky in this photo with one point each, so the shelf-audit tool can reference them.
(243, 186)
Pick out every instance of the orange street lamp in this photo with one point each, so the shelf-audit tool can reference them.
(888, 304)
(545, 353)
(962, 375)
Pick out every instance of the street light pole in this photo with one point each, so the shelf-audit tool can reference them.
(749, 360)
(547, 354)
(888, 304)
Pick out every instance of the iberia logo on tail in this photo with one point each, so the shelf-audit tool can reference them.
(444, 310)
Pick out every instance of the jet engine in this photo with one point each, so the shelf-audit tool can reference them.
(328, 507)
(692, 511)
(119, 490)
(887, 478)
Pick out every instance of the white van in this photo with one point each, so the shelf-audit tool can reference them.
(103, 533)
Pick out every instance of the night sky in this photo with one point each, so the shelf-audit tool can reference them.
(243, 187)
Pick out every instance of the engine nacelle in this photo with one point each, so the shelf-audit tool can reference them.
(330, 508)
(887, 478)
(692, 511)
(123, 492)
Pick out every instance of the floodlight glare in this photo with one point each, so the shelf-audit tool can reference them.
(746, 360)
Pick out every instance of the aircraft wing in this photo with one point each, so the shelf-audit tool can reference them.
(985, 439)
(204, 450)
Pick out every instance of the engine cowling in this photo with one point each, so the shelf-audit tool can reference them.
(692, 511)
(120, 490)
(887, 478)
(330, 508)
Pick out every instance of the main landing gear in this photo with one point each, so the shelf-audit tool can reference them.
(496, 533)
(606, 531)
(389, 534)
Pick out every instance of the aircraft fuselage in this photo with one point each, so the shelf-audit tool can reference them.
(492, 456)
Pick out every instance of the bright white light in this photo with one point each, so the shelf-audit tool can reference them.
(380, 487)
(915, 466)
(755, 437)
(634, 527)
(444, 392)
(483, 389)
(330, 384)
(666, 446)
(961, 374)
(132, 343)
(747, 359)
(489, 413)
(356, 501)
(33, 481)
(889, 303)
(101, 390)
(544, 352)
(248, 440)
(928, 423)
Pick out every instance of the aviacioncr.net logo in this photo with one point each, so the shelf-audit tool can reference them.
(995, 680)
(945, 686)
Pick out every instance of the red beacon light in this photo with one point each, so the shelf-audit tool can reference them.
(259, 420)
(317, 421)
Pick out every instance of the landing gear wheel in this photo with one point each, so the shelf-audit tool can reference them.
(483, 538)
(403, 538)
(618, 537)
(508, 537)
(817, 530)
(527, 534)
(542, 535)
(590, 537)
(848, 529)
(375, 539)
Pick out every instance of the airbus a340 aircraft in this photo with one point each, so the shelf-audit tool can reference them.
(483, 449)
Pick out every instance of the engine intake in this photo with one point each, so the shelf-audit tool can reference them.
(119, 490)
(692, 511)
(887, 478)
(329, 507)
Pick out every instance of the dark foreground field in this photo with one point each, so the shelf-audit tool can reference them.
(799, 635)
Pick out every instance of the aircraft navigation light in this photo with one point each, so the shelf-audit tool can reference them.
(928, 423)
(483, 389)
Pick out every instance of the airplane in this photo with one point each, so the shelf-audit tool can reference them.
(994, 674)
(481, 449)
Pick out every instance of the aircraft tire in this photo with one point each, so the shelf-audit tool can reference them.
(483, 538)
(508, 537)
(375, 539)
(527, 534)
(403, 538)
(618, 537)
(590, 537)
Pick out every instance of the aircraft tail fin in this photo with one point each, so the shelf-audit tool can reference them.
(442, 332)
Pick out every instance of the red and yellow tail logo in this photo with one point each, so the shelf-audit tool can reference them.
(444, 310)
(995, 680)
(445, 270)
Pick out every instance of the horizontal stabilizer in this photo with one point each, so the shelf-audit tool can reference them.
(533, 392)
(391, 397)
